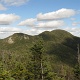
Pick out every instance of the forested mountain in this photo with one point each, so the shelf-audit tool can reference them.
(23, 58)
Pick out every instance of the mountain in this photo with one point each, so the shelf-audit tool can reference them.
(57, 42)
(62, 44)
(60, 48)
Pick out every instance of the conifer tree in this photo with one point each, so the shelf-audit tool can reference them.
(37, 51)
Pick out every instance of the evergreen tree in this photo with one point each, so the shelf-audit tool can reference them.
(37, 51)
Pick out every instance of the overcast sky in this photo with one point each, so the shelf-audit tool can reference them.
(35, 16)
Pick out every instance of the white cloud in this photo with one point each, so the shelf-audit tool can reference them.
(71, 29)
(75, 23)
(73, 19)
(49, 24)
(14, 2)
(37, 27)
(34, 23)
(59, 14)
(2, 7)
(33, 31)
(28, 22)
(4, 35)
(49, 20)
(6, 19)
(7, 31)
(74, 30)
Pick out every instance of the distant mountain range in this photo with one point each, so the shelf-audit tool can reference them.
(60, 47)
(57, 42)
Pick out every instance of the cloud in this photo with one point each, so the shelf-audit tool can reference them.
(73, 19)
(75, 23)
(9, 29)
(33, 31)
(6, 19)
(71, 29)
(34, 23)
(49, 24)
(28, 22)
(2, 7)
(14, 2)
(49, 20)
(59, 14)
(74, 30)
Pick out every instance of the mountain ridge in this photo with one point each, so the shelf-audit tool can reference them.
(55, 38)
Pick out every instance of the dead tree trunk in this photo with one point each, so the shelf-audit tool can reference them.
(42, 70)
(78, 55)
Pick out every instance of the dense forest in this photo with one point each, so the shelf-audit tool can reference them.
(50, 55)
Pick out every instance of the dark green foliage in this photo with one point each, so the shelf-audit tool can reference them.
(37, 51)
(77, 72)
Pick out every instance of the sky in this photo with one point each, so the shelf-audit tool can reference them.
(32, 17)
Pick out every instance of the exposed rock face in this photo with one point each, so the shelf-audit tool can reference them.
(10, 41)
(26, 37)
